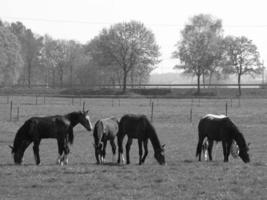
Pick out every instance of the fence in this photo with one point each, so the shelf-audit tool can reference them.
(216, 85)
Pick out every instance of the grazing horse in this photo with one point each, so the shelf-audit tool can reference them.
(104, 130)
(139, 127)
(59, 127)
(221, 128)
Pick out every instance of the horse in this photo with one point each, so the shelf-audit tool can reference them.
(221, 128)
(104, 130)
(139, 127)
(59, 127)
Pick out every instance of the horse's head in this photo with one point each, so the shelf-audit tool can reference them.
(243, 153)
(18, 151)
(16, 155)
(160, 155)
(85, 120)
(98, 148)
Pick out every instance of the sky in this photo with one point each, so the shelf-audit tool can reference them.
(82, 20)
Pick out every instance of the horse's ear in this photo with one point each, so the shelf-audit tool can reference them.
(248, 145)
(12, 148)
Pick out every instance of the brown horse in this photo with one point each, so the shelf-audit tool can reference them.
(105, 129)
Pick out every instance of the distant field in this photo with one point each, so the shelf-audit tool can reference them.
(183, 177)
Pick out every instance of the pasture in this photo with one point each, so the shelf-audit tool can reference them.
(182, 178)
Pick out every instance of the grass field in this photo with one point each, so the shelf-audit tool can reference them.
(182, 178)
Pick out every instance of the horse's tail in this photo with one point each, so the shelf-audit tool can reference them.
(71, 137)
(95, 132)
(200, 138)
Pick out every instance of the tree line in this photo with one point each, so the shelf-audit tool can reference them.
(125, 53)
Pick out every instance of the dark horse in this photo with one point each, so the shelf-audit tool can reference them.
(139, 127)
(104, 130)
(221, 128)
(58, 127)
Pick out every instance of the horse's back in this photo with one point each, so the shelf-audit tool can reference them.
(213, 126)
(49, 127)
(106, 128)
(134, 125)
(110, 126)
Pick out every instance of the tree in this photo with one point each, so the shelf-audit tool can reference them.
(125, 45)
(31, 45)
(199, 48)
(74, 52)
(10, 59)
(242, 57)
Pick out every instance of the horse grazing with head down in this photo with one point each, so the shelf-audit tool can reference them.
(138, 127)
(221, 128)
(104, 130)
(59, 127)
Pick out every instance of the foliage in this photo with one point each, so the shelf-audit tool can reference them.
(31, 45)
(125, 47)
(200, 47)
(10, 58)
(241, 57)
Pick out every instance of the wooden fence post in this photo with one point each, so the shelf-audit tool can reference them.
(152, 111)
(191, 115)
(18, 113)
(11, 107)
(226, 108)
(84, 106)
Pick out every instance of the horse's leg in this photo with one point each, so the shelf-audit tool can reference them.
(224, 145)
(140, 151)
(113, 147)
(199, 148)
(128, 146)
(66, 151)
(228, 147)
(104, 151)
(36, 144)
(120, 151)
(210, 149)
(60, 145)
(97, 154)
(146, 150)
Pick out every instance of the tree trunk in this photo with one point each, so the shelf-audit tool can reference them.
(53, 77)
(71, 84)
(132, 78)
(239, 85)
(198, 84)
(125, 73)
(198, 79)
(60, 73)
(29, 73)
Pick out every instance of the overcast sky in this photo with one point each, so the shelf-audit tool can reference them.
(81, 20)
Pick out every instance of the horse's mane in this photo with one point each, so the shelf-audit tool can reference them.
(21, 133)
(237, 135)
(152, 133)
